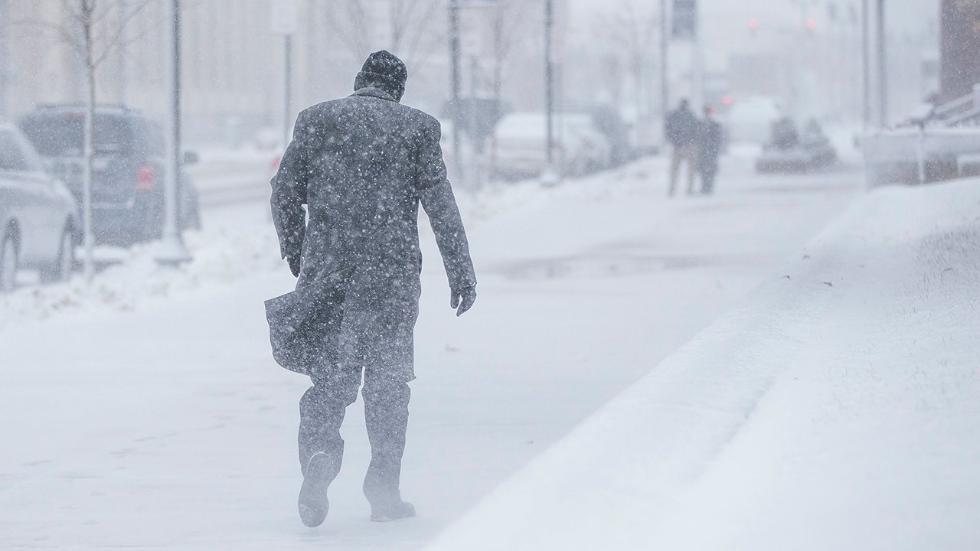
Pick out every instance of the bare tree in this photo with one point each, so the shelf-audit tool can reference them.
(412, 26)
(93, 30)
(348, 19)
(632, 30)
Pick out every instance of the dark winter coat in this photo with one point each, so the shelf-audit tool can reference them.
(362, 165)
(710, 138)
(681, 127)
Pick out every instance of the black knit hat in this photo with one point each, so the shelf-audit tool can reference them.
(385, 71)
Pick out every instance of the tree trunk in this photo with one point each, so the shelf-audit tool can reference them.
(498, 78)
(89, 151)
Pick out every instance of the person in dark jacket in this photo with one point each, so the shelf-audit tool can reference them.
(681, 130)
(361, 165)
(710, 137)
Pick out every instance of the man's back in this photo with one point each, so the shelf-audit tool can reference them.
(365, 171)
(362, 164)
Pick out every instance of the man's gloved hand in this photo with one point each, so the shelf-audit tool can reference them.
(295, 263)
(462, 299)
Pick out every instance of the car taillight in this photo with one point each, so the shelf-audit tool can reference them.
(146, 178)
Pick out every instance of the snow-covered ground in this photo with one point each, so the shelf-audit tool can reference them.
(836, 408)
(146, 411)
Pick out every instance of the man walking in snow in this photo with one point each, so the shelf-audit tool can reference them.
(681, 130)
(361, 165)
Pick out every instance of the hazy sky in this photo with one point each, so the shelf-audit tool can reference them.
(725, 23)
(906, 14)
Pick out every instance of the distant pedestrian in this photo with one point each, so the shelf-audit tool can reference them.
(681, 130)
(361, 166)
(710, 139)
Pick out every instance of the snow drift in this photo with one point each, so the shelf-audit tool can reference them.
(836, 408)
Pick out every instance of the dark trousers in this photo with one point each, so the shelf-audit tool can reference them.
(376, 344)
(683, 154)
(709, 171)
(386, 400)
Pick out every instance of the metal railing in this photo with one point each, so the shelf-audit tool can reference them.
(964, 111)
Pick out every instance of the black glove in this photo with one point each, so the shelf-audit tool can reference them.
(295, 263)
(462, 299)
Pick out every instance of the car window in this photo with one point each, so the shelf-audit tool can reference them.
(61, 134)
(15, 155)
(150, 138)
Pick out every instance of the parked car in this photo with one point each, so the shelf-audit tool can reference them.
(38, 218)
(791, 151)
(129, 172)
(522, 152)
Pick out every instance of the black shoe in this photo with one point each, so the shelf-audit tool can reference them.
(393, 511)
(313, 502)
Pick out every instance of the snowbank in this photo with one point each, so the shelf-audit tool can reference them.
(837, 408)
(241, 244)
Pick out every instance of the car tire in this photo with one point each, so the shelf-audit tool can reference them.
(8, 263)
(64, 265)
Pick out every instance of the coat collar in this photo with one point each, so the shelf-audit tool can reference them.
(373, 92)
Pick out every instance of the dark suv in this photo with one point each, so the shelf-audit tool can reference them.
(129, 169)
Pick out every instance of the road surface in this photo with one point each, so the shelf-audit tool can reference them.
(147, 412)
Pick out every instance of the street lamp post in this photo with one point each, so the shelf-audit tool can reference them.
(866, 62)
(284, 20)
(455, 51)
(664, 60)
(5, 71)
(551, 174)
(882, 65)
(287, 115)
(172, 251)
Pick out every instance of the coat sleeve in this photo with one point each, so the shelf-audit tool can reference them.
(436, 196)
(289, 187)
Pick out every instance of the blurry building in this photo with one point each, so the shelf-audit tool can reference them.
(233, 62)
(230, 62)
(960, 65)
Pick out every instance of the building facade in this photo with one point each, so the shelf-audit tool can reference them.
(960, 62)
(233, 62)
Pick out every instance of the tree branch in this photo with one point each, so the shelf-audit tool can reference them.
(118, 40)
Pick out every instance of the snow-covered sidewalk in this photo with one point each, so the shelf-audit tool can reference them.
(836, 408)
(146, 412)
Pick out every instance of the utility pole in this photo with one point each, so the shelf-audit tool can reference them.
(4, 59)
(456, 79)
(287, 108)
(550, 175)
(882, 66)
(473, 124)
(698, 45)
(284, 20)
(122, 76)
(866, 62)
(172, 251)
(664, 60)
